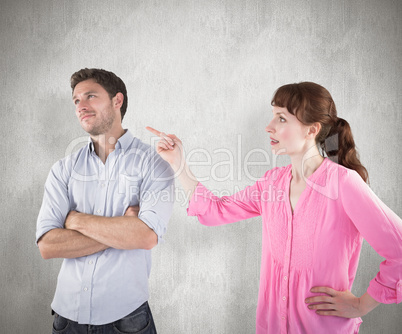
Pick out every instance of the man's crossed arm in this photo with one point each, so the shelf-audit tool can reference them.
(86, 234)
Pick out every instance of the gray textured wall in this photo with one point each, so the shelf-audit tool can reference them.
(205, 70)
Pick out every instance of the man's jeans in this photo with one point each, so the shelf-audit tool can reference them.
(138, 322)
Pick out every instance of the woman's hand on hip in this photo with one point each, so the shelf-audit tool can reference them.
(340, 303)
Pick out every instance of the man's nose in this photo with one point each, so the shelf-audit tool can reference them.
(82, 106)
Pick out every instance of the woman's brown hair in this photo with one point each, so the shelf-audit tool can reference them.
(312, 103)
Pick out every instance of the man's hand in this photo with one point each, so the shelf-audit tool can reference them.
(340, 303)
(72, 220)
(132, 211)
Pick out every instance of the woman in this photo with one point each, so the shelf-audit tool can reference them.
(312, 236)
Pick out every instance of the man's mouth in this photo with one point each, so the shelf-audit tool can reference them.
(86, 116)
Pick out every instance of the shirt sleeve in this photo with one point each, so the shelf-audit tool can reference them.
(55, 204)
(212, 210)
(382, 229)
(156, 194)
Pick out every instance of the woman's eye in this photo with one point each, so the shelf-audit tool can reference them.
(281, 119)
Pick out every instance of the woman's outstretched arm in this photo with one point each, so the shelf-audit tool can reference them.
(211, 210)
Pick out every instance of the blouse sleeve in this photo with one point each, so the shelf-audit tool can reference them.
(212, 210)
(382, 229)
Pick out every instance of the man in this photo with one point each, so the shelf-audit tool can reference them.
(90, 216)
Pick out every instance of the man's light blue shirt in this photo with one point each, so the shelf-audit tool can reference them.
(106, 286)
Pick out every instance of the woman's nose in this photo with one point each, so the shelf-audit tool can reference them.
(269, 128)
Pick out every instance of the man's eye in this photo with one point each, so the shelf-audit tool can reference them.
(90, 96)
(76, 102)
(281, 119)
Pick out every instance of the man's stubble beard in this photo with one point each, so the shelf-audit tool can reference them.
(106, 124)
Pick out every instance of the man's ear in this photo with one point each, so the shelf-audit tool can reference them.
(314, 130)
(118, 100)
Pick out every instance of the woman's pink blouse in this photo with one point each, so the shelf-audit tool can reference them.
(316, 245)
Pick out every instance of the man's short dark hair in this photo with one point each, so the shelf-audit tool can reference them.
(108, 80)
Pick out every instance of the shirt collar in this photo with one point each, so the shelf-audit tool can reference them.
(90, 145)
(123, 142)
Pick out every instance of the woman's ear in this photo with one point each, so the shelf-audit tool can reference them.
(314, 130)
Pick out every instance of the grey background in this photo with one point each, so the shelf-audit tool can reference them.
(204, 70)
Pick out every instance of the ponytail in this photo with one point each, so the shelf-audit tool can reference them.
(340, 147)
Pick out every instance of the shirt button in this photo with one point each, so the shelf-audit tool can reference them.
(285, 278)
(284, 298)
(99, 211)
(90, 262)
(85, 289)
(103, 185)
(283, 318)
